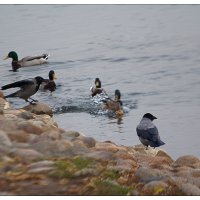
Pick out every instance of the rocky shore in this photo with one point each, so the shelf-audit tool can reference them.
(39, 158)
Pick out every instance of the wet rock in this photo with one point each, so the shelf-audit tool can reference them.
(28, 154)
(39, 108)
(155, 188)
(190, 189)
(188, 160)
(4, 139)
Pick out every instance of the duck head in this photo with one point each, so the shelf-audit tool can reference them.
(149, 116)
(97, 83)
(117, 95)
(52, 75)
(13, 55)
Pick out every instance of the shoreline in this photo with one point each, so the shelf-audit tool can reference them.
(39, 158)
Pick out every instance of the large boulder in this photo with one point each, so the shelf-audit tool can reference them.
(39, 108)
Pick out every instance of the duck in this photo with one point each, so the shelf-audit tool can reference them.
(28, 87)
(115, 105)
(49, 84)
(147, 132)
(26, 61)
(97, 89)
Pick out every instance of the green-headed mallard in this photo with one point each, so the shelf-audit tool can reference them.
(97, 88)
(28, 87)
(49, 84)
(115, 105)
(26, 61)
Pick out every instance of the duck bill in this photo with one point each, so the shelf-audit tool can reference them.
(6, 57)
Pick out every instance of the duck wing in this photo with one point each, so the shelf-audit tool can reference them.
(31, 58)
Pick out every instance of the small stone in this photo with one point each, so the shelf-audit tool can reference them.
(28, 154)
(146, 175)
(19, 136)
(26, 115)
(71, 134)
(39, 108)
(187, 160)
(1, 94)
(87, 171)
(88, 141)
(40, 164)
(107, 146)
(190, 189)
(4, 139)
(154, 188)
(101, 155)
(159, 162)
(127, 165)
(40, 170)
(4, 104)
(31, 127)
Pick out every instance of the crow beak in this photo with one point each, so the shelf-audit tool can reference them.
(155, 117)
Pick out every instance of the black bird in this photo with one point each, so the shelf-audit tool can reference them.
(49, 84)
(148, 132)
(28, 88)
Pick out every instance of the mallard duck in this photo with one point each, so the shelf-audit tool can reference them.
(148, 132)
(97, 88)
(26, 61)
(49, 84)
(28, 88)
(115, 105)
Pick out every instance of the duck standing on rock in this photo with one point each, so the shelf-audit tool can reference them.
(28, 88)
(148, 132)
(49, 84)
(26, 61)
(97, 89)
(115, 105)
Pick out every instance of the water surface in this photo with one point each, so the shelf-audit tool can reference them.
(149, 52)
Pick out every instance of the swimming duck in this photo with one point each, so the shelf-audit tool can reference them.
(97, 88)
(115, 105)
(26, 61)
(28, 88)
(148, 132)
(49, 84)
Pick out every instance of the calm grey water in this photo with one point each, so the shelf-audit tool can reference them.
(150, 52)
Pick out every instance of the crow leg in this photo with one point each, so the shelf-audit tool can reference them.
(33, 100)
